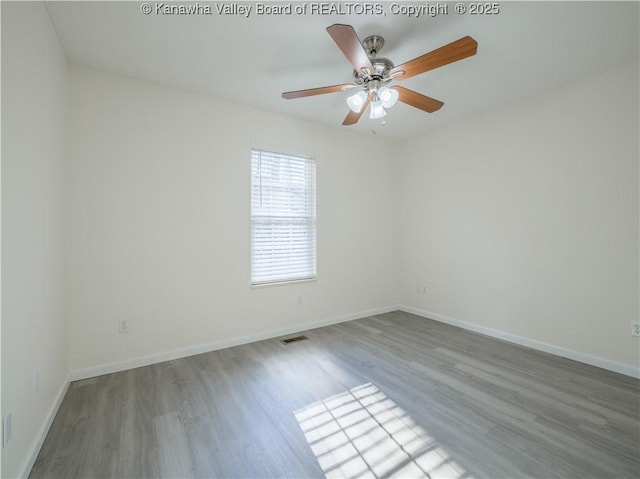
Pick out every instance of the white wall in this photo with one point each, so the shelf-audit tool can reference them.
(34, 329)
(160, 227)
(525, 220)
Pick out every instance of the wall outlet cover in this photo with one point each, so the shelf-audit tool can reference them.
(123, 326)
(36, 382)
(7, 429)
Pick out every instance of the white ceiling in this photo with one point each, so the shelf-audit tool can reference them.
(527, 48)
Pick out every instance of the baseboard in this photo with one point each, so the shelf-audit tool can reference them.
(597, 361)
(215, 345)
(237, 341)
(53, 410)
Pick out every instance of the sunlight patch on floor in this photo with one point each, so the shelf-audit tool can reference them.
(363, 433)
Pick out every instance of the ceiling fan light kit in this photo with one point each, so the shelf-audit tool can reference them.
(356, 101)
(372, 74)
(388, 96)
(376, 110)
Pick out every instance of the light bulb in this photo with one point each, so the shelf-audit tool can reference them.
(356, 101)
(377, 110)
(388, 96)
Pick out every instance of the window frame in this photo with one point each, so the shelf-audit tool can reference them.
(310, 177)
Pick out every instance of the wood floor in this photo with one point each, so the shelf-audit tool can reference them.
(393, 395)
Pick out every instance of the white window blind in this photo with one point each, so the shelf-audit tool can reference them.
(283, 217)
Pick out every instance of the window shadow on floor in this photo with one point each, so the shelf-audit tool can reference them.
(363, 433)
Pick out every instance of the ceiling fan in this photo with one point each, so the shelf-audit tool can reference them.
(372, 74)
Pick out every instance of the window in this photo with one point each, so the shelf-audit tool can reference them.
(283, 217)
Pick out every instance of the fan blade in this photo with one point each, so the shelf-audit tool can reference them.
(463, 48)
(353, 117)
(317, 91)
(418, 100)
(347, 40)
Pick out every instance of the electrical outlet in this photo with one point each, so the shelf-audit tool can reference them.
(635, 329)
(36, 382)
(299, 299)
(424, 289)
(7, 429)
(123, 326)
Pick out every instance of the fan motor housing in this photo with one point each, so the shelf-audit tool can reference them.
(382, 66)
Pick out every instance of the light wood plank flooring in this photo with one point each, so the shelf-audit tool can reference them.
(392, 395)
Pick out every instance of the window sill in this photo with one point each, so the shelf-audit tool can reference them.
(282, 283)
